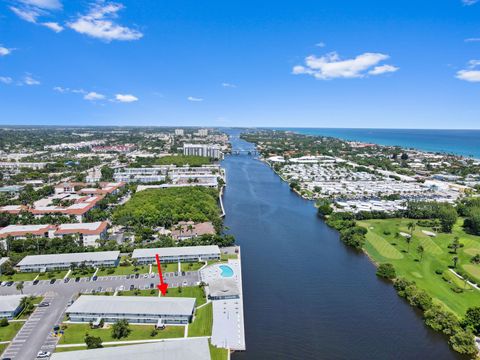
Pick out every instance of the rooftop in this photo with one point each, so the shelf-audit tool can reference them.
(176, 251)
(10, 302)
(181, 349)
(133, 305)
(69, 258)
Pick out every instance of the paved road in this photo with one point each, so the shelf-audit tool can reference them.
(36, 334)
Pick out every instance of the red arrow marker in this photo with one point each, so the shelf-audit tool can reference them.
(163, 286)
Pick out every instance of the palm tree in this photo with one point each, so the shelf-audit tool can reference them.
(420, 251)
(408, 239)
(20, 287)
(411, 226)
(455, 260)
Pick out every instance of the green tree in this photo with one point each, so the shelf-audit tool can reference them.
(93, 342)
(120, 329)
(455, 261)
(420, 251)
(448, 217)
(386, 271)
(4, 322)
(455, 244)
(463, 342)
(472, 319)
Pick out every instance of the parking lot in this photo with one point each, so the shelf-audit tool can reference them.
(37, 333)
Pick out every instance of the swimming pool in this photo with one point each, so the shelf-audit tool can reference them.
(227, 271)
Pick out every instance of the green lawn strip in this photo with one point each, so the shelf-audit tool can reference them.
(424, 272)
(75, 333)
(168, 267)
(7, 333)
(192, 266)
(471, 251)
(202, 324)
(2, 348)
(123, 270)
(52, 275)
(383, 247)
(190, 291)
(27, 276)
(217, 353)
(473, 270)
(148, 292)
(225, 257)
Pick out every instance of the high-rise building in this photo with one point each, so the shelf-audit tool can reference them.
(205, 150)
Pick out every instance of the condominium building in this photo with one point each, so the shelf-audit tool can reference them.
(179, 132)
(64, 261)
(134, 309)
(168, 349)
(10, 306)
(205, 150)
(175, 254)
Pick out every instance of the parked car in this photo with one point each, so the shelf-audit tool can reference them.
(77, 279)
(151, 285)
(132, 287)
(137, 276)
(70, 303)
(35, 282)
(152, 275)
(43, 354)
(94, 278)
(9, 283)
(44, 304)
(145, 276)
(66, 280)
(53, 281)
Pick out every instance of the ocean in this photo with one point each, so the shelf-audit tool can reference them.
(459, 142)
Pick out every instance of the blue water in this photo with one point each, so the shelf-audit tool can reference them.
(227, 271)
(459, 142)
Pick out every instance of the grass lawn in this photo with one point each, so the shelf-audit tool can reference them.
(52, 275)
(149, 292)
(225, 257)
(27, 276)
(7, 333)
(168, 267)
(202, 325)
(383, 245)
(75, 333)
(2, 348)
(190, 291)
(217, 353)
(192, 266)
(123, 270)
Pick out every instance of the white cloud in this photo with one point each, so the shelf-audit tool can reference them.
(29, 80)
(27, 14)
(469, 2)
(6, 79)
(125, 98)
(5, 51)
(61, 89)
(192, 98)
(383, 69)
(53, 26)
(471, 74)
(228, 85)
(472, 40)
(321, 44)
(43, 4)
(92, 96)
(331, 66)
(99, 23)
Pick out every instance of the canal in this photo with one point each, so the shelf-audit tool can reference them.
(306, 295)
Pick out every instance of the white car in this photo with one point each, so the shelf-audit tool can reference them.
(43, 355)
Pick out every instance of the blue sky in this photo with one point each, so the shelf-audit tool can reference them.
(405, 64)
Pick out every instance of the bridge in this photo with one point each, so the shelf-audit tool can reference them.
(245, 152)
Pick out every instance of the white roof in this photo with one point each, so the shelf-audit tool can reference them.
(23, 228)
(147, 305)
(80, 226)
(175, 349)
(69, 258)
(176, 251)
(10, 302)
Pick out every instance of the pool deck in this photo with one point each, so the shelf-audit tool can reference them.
(228, 323)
